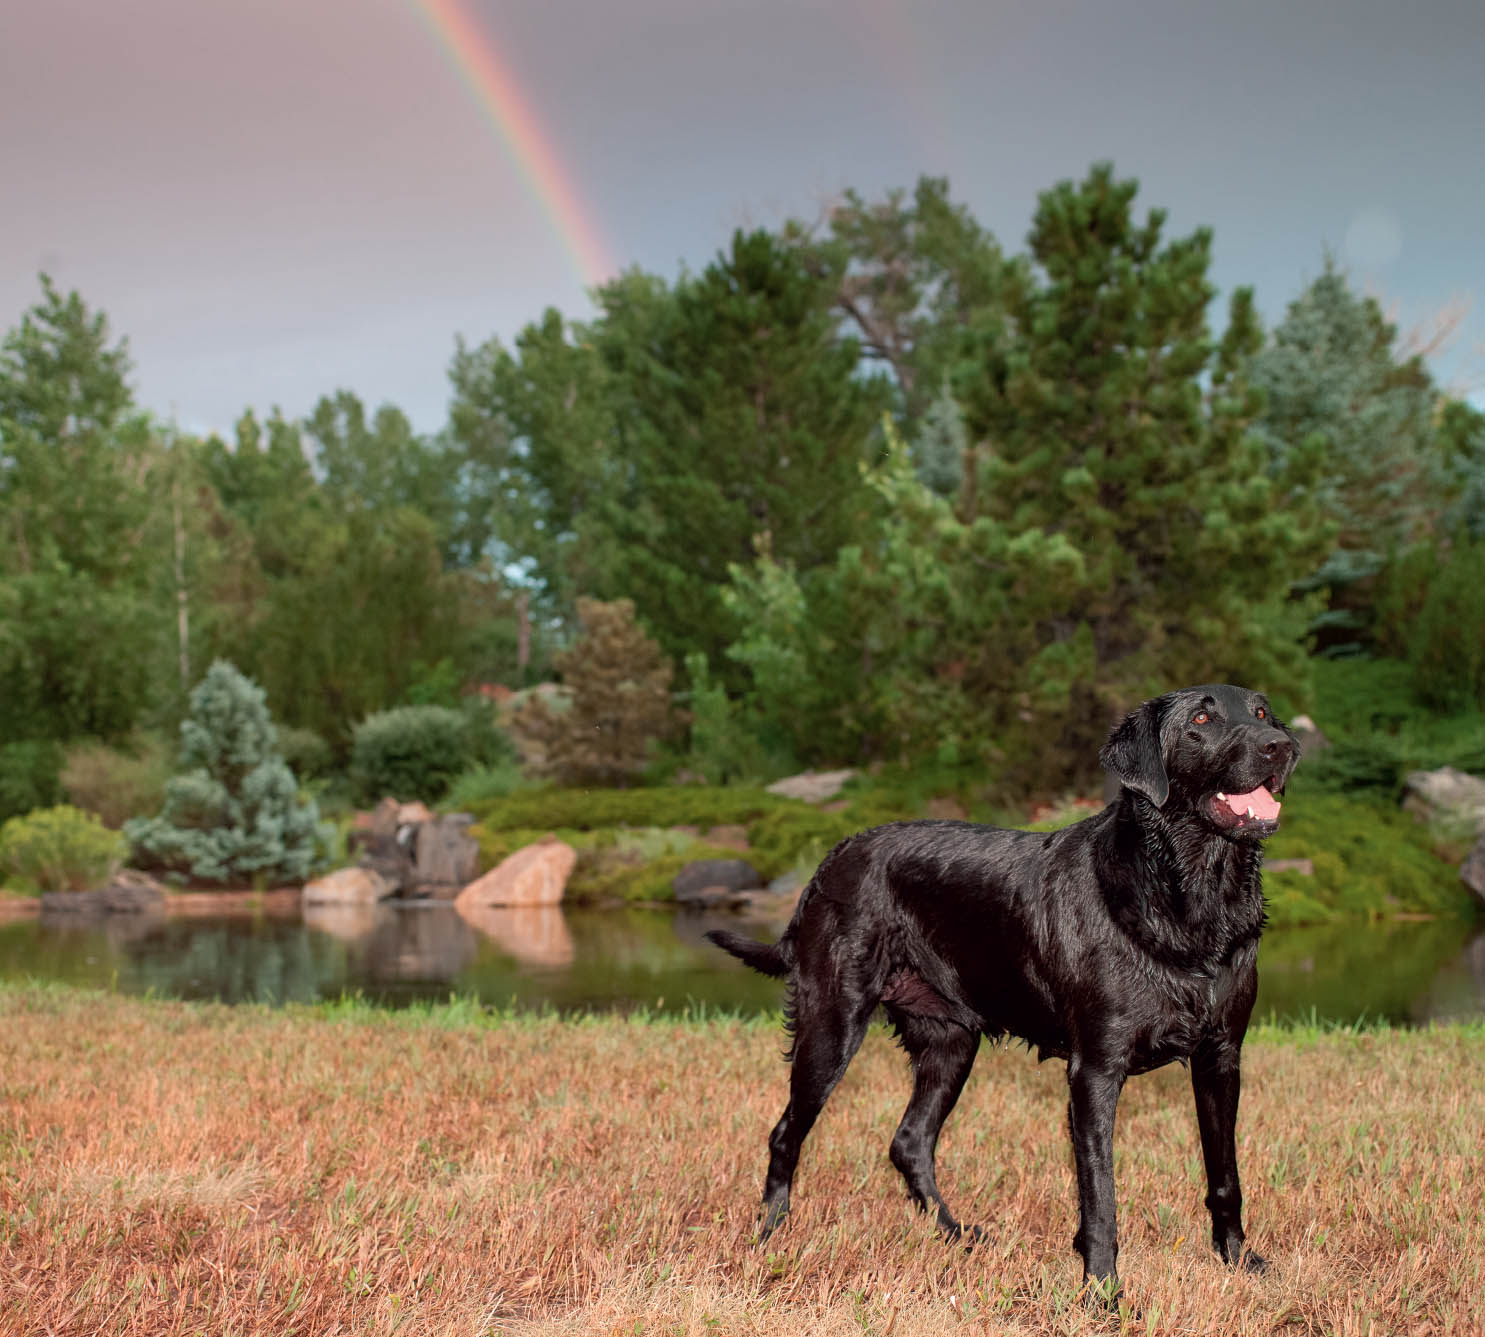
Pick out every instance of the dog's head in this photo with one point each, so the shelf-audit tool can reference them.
(1217, 751)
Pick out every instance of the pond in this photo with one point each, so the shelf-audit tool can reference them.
(576, 959)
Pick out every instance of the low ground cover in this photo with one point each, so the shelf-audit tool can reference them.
(172, 1168)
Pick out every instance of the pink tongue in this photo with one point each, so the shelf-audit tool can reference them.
(1264, 805)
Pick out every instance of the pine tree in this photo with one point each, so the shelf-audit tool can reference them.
(234, 814)
(1123, 531)
(618, 684)
(743, 420)
(1099, 429)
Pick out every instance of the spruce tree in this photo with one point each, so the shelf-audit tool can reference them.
(1336, 386)
(235, 814)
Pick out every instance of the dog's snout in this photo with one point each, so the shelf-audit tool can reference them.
(1278, 753)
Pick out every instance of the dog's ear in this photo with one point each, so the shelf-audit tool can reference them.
(1133, 753)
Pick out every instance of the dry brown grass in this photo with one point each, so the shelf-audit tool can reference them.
(169, 1168)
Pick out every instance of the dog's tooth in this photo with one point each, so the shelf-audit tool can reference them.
(1250, 810)
(1222, 796)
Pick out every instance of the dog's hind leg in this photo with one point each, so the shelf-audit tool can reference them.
(827, 1033)
(941, 1053)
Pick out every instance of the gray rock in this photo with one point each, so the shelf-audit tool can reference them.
(811, 786)
(710, 882)
(1305, 866)
(787, 884)
(1447, 795)
(127, 892)
(445, 856)
(1472, 870)
(1311, 740)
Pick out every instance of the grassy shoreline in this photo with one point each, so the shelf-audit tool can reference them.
(172, 1168)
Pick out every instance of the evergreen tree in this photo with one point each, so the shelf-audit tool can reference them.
(1123, 530)
(618, 683)
(908, 274)
(234, 814)
(743, 422)
(1100, 429)
(1336, 386)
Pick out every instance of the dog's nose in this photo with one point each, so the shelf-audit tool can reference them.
(1277, 748)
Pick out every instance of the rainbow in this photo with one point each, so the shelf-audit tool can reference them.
(495, 89)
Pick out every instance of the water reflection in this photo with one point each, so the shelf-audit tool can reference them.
(535, 935)
(625, 958)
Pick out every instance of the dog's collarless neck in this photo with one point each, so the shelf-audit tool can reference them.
(1181, 892)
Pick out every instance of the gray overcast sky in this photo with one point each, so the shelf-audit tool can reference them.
(278, 198)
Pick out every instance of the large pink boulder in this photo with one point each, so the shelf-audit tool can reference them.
(536, 875)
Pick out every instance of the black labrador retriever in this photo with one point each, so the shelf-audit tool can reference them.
(1119, 944)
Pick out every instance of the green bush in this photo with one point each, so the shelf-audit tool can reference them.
(800, 835)
(593, 809)
(481, 785)
(235, 815)
(611, 872)
(28, 777)
(411, 752)
(1370, 859)
(117, 783)
(1369, 709)
(722, 748)
(58, 849)
(308, 755)
(1368, 767)
(1448, 644)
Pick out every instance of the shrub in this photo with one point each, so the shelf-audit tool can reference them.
(1353, 768)
(411, 752)
(308, 755)
(588, 810)
(1448, 644)
(59, 849)
(117, 783)
(619, 682)
(28, 777)
(722, 748)
(235, 814)
(1369, 859)
(481, 785)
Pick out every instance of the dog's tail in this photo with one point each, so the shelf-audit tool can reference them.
(769, 958)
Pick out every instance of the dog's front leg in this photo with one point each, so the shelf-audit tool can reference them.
(1216, 1079)
(1094, 1094)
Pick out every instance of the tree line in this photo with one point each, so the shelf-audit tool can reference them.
(877, 486)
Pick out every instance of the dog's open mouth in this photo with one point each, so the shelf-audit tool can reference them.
(1257, 809)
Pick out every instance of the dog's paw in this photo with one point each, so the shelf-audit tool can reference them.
(1252, 1262)
(770, 1219)
(1237, 1254)
(968, 1236)
(1102, 1295)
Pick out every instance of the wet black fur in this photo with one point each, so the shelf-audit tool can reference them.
(1119, 944)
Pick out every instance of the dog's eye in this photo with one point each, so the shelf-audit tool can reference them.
(1201, 717)
(1261, 713)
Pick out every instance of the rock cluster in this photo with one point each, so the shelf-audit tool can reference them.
(410, 853)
